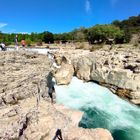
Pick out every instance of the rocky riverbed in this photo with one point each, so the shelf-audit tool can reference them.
(25, 108)
(118, 69)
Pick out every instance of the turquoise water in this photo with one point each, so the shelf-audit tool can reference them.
(101, 109)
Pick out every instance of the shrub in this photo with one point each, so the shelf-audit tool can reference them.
(28, 42)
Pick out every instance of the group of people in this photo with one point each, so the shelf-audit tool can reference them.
(23, 43)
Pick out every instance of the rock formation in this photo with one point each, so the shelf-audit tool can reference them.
(118, 69)
(64, 74)
(25, 109)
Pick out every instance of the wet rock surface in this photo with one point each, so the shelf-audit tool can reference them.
(26, 112)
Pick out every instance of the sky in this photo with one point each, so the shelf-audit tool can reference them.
(58, 16)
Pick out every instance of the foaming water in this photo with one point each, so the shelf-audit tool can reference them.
(39, 50)
(101, 109)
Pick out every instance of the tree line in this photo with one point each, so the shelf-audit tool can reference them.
(118, 31)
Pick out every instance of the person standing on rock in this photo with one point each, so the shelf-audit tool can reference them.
(50, 92)
(58, 135)
(16, 42)
(51, 57)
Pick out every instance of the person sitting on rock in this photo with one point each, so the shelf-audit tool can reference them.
(58, 135)
(3, 47)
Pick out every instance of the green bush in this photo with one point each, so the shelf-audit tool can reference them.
(28, 42)
(101, 33)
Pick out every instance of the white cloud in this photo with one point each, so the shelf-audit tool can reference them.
(3, 25)
(87, 6)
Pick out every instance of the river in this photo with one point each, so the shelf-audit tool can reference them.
(102, 109)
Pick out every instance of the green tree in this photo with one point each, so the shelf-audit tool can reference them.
(79, 34)
(28, 42)
(48, 37)
(1, 37)
(129, 26)
(101, 33)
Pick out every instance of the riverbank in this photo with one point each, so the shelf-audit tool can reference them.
(25, 108)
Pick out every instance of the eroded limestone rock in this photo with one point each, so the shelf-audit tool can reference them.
(64, 74)
(117, 69)
(25, 109)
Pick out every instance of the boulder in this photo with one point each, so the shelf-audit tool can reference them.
(58, 58)
(121, 78)
(83, 68)
(63, 75)
(89, 134)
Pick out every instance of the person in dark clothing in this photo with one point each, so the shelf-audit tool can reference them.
(50, 92)
(58, 135)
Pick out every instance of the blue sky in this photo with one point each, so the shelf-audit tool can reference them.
(60, 16)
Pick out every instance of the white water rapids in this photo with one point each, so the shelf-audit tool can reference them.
(101, 109)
